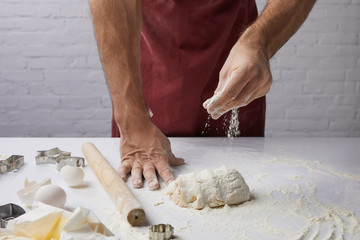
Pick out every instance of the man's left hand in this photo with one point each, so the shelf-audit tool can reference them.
(244, 77)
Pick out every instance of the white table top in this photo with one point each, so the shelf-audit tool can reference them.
(300, 187)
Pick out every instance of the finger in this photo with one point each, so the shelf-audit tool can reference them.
(206, 103)
(176, 161)
(136, 175)
(219, 88)
(124, 169)
(225, 75)
(150, 176)
(218, 114)
(230, 91)
(243, 99)
(239, 103)
(164, 171)
(258, 94)
(249, 90)
(210, 100)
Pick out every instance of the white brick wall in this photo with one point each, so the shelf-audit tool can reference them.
(51, 80)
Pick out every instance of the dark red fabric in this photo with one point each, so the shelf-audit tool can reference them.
(184, 44)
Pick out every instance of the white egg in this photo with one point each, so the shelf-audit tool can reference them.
(52, 195)
(73, 176)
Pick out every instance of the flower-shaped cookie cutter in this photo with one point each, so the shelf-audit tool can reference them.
(58, 157)
(161, 232)
(11, 164)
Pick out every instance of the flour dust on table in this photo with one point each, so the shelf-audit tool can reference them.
(275, 211)
(209, 188)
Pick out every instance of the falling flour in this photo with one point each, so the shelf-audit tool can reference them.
(232, 124)
(206, 126)
(233, 130)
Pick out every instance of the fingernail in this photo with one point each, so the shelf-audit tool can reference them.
(169, 181)
(152, 185)
(181, 160)
(215, 116)
(210, 110)
(206, 103)
(137, 183)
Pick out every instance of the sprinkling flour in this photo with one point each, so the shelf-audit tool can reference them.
(231, 124)
(207, 125)
(233, 130)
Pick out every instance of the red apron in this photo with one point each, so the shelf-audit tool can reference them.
(184, 44)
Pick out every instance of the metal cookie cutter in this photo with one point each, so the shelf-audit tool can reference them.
(161, 232)
(71, 161)
(8, 212)
(50, 156)
(59, 157)
(12, 163)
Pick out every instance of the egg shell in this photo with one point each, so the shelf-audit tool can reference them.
(52, 195)
(72, 175)
(27, 194)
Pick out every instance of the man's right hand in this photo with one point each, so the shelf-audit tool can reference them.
(144, 151)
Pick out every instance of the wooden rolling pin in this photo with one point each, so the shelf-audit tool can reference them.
(114, 185)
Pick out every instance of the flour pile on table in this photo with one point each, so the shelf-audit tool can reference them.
(209, 188)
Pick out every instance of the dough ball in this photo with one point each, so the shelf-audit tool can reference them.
(213, 188)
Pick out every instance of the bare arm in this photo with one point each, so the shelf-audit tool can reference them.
(117, 25)
(246, 74)
(279, 20)
(144, 148)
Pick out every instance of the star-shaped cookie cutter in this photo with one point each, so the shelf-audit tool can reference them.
(11, 164)
(58, 157)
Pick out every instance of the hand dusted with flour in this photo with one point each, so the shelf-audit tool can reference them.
(213, 188)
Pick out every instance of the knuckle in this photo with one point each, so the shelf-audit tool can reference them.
(250, 68)
(121, 172)
(266, 88)
(222, 74)
(137, 163)
(149, 168)
(266, 74)
(266, 91)
(165, 170)
(230, 94)
(136, 168)
(126, 163)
